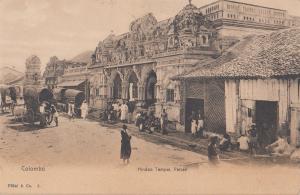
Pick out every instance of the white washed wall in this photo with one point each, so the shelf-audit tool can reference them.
(231, 105)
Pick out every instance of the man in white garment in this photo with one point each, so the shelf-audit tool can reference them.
(84, 110)
(124, 112)
(244, 143)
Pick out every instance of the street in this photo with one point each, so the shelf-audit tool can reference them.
(82, 156)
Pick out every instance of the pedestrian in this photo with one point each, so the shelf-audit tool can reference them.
(116, 109)
(84, 110)
(151, 122)
(55, 114)
(125, 145)
(131, 107)
(124, 112)
(200, 125)
(194, 123)
(140, 121)
(164, 122)
(252, 133)
(212, 152)
(71, 112)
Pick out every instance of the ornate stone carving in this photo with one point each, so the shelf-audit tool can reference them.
(148, 37)
(138, 71)
(107, 72)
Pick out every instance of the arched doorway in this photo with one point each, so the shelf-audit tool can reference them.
(150, 91)
(133, 87)
(117, 88)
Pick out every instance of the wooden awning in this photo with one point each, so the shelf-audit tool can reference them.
(74, 96)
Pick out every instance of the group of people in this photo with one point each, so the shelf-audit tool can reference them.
(48, 110)
(249, 141)
(119, 111)
(197, 124)
(252, 141)
(148, 122)
(144, 120)
(72, 113)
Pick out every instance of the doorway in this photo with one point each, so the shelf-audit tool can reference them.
(192, 105)
(117, 87)
(133, 87)
(266, 119)
(150, 89)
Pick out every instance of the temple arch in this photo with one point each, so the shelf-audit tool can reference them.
(117, 87)
(133, 86)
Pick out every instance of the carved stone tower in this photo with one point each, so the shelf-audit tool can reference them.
(33, 71)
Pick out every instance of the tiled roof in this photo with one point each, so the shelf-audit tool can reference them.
(272, 55)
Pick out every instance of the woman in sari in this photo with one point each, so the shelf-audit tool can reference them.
(125, 145)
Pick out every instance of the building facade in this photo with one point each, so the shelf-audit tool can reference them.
(75, 77)
(235, 20)
(257, 81)
(138, 65)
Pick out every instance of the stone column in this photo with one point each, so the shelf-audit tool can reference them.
(141, 91)
(109, 89)
(125, 86)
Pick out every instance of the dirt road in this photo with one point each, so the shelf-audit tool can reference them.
(83, 157)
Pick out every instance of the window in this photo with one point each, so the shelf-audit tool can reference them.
(170, 95)
(97, 92)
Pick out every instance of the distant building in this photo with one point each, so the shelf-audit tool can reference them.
(75, 76)
(53, 72)
(9, 73)
(234, 20)
(33, 71)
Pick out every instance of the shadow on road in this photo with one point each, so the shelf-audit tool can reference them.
(26, 127)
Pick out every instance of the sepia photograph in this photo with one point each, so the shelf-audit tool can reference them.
(102, 97)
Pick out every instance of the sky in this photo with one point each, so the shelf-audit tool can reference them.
(65, 28)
